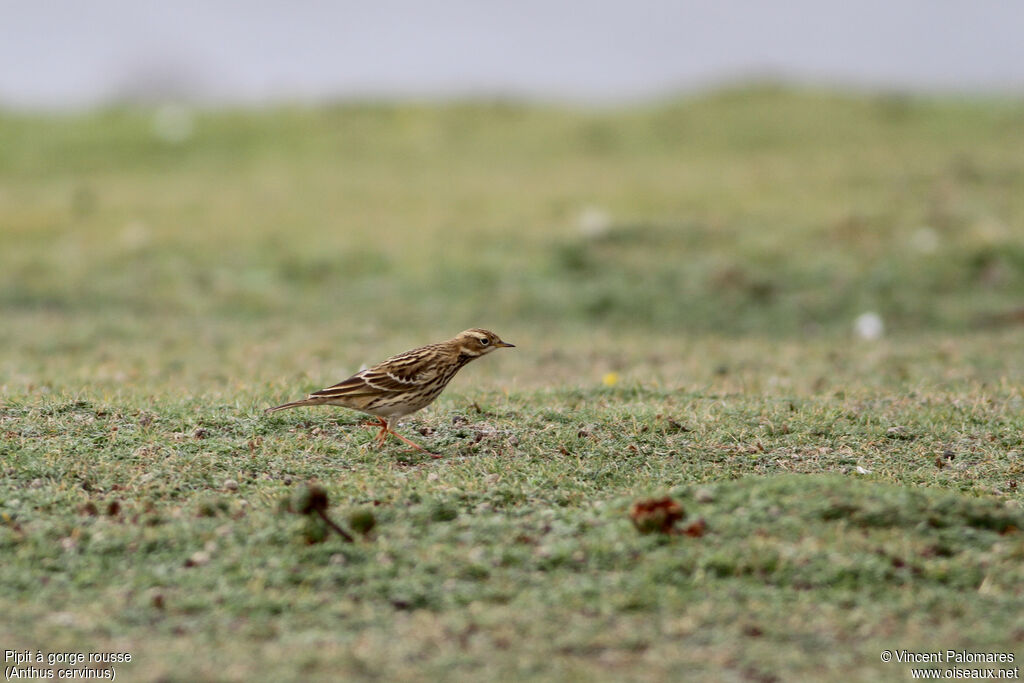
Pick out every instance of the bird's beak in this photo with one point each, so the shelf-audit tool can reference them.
(506, 345)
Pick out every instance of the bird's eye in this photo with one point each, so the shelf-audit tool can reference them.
(485, 341)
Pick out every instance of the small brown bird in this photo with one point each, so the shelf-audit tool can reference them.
(405, 383)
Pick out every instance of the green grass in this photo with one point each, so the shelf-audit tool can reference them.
(858, 495)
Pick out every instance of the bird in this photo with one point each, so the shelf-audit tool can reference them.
(405, 383)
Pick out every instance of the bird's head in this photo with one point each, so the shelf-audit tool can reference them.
(477, 342)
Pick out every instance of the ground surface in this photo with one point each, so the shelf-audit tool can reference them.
(681, 282)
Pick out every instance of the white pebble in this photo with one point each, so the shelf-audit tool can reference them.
(869, 325)
(593, 222)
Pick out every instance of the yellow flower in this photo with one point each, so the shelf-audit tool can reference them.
(610, 379)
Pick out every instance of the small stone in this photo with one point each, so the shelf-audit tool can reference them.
(704, 496)
(869, 326)
(63, 618)
(230, 484)
(198, 559)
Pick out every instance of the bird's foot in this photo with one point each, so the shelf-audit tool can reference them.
(415, 446)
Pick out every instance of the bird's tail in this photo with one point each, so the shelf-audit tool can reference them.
(294, 404)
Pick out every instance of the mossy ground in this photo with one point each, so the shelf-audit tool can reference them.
(706, 256)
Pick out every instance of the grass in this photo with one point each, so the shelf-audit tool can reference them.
(710, 253)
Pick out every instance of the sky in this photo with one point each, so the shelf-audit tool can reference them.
(71, 53)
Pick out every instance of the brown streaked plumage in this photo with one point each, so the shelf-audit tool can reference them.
(405, 383)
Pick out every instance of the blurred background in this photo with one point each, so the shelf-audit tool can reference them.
(217, 194)
(66, 53)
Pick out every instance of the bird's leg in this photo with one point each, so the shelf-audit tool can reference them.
(415, 445)
(382, 434)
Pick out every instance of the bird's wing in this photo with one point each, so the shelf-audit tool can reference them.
(395, 375)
